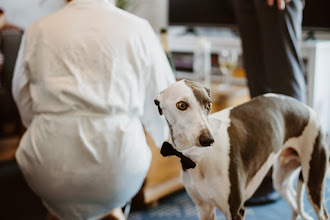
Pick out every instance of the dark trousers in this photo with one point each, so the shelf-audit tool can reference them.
(271, 53)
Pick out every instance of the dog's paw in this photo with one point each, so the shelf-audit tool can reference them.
(167, 149)
(187, 163)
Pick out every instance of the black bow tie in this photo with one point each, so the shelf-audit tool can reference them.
(168, 150)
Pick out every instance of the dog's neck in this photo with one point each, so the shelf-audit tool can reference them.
(168, 150)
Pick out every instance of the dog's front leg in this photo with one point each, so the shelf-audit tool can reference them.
(239, 215)
(236, 198)
(206, 211)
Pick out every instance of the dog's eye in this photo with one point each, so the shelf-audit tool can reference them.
(209, 106)
(182, 105)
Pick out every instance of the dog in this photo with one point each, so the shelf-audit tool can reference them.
(226, 155)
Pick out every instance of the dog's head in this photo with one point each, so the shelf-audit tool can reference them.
(186, 105)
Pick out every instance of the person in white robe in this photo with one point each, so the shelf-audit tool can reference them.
(85, 81)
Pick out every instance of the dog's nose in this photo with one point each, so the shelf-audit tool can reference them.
(206, 140)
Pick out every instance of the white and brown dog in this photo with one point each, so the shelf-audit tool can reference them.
(247, 140)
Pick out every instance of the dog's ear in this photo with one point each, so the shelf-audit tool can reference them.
(159, 108)
(208, 90)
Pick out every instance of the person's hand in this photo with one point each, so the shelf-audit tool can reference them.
(280, 3)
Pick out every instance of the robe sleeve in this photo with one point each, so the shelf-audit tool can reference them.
(158, 77)
(20, 86)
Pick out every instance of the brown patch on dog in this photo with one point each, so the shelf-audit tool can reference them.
(262, 126)
(208, 91)
(258, 128)
(202, 94)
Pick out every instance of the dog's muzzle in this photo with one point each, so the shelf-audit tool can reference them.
(206, 139)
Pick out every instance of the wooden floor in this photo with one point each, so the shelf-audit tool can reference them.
(8, 147)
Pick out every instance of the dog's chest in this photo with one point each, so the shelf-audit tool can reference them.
(205, 186)
(209, 180)
(213, 169)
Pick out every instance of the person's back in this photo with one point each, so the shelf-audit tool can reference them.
(110, 38)
(84, 84)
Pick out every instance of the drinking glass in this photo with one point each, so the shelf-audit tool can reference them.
(227, 60)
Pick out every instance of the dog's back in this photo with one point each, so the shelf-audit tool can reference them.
(265, 123)
(268, 127)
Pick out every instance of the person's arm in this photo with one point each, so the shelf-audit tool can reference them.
(20, 86)
(158, 77)
(280, 3)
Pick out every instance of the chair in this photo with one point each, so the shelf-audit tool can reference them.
(17, 201)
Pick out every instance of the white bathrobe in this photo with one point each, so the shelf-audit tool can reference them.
(85, 81)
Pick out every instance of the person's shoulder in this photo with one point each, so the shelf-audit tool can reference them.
(130, 19)
(43, 21)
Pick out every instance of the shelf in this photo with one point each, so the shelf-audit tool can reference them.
(240, 81)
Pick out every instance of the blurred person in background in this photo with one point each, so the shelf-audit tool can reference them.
(84, 83)
(271, 31)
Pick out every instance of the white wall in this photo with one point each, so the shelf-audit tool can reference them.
(155, 11)
(24, 12)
